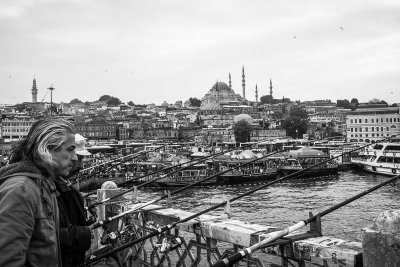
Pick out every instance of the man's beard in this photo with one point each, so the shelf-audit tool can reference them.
(74, 171)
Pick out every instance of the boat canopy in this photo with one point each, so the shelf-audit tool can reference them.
(307, 152)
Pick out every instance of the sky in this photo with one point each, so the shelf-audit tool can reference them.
(151, 51)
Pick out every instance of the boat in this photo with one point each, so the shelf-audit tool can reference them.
(301, 159)
(255, 172)
(382, 158)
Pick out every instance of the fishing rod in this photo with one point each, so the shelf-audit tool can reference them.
(174, 224)
(194, 162)
(134, 155)
(270, 237)
(100, 223)
(171, 167)
(165, 228)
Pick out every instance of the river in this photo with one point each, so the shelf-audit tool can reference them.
(286, 203)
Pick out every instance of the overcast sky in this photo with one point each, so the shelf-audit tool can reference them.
(151, 51)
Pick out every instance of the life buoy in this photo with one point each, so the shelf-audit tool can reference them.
(374, 168)
(394, 171)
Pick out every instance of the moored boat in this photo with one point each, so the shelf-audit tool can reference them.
(301, 159)
(382, 158)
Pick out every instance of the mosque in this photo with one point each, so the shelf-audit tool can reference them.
(222, 94)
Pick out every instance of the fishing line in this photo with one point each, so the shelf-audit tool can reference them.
(170, 226)
(196, 161)
(273, 236)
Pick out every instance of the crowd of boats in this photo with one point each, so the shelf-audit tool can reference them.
(172, 165)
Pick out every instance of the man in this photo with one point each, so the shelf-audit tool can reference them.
(29, 220)
(75, 236)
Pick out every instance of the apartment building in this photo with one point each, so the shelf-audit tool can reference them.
(372, 124)
(15, 126)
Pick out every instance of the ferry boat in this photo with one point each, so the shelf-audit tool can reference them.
(382, 158)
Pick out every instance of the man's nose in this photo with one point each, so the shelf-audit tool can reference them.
(74, 157)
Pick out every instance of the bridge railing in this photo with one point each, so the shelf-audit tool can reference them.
(206, 240)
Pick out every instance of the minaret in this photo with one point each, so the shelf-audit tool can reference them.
(256, 94)
(230, 81)
(270, 88)
(243, 84)
(34, 91)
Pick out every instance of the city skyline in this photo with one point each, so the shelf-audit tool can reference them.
(156, 51)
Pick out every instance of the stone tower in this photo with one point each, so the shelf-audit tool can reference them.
(230, 81)
(34, 91)
(256, 94)
(243, 84)
(270, 88)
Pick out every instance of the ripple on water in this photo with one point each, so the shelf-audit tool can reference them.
(289, 202)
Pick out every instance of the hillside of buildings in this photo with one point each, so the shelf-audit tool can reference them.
(210, 120)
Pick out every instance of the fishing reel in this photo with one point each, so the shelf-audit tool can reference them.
(169, 244)
(112, 237)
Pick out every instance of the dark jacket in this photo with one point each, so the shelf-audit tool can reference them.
(28, 218)
(75, 236)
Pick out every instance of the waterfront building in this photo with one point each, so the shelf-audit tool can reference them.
(15, 126)
(98, 129)
(211, 136)
(258, 134)
(323, 118)
(370, 124)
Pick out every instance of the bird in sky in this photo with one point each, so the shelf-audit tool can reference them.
(341, 28)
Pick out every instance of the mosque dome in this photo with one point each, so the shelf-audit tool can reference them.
(220, 86)
(245, 117)
(220, 93)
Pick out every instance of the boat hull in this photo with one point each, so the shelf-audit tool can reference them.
(312, 173)
(377, 169)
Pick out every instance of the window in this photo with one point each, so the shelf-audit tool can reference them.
(366, 120)
(366, 129)
(351, 121)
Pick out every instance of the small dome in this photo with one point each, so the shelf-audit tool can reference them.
(245, 117)
(220, 86)
(109, 185)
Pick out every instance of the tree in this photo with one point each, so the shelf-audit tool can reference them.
(75, 101)
(104, 98)
(242, 130)
(296, 122)
(194, 102)
(377, 101)
(130, 103)
(110, 100)
(343, 103)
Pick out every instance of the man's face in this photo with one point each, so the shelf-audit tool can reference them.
(77, 166)
(65, 156)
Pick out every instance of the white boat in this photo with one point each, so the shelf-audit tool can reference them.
(382, 158)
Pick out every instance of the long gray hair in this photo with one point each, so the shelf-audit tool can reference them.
(44, 135)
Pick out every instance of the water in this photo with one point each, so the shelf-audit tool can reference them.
(286, 203)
